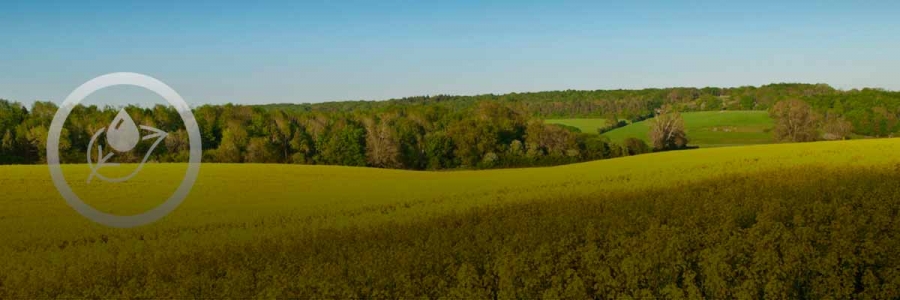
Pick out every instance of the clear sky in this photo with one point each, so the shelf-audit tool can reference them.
(314, 51)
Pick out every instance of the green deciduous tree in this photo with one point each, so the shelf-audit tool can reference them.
(344, 145)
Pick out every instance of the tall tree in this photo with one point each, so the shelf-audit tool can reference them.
(234, 141)
(345, 144)
(303, 145)
(836, 127)
(795, 121)
(260, 150)
(667, 130)
(439, 151)
(382, 149)
(281, 133)
(884, 121)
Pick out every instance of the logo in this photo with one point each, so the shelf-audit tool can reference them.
(123, 135)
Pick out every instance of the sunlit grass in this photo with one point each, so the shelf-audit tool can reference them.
(704, 129)
(584, 125)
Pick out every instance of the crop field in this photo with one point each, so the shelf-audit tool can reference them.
(777, 221)
(704, 129)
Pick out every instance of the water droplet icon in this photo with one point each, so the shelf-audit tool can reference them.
(122, 134)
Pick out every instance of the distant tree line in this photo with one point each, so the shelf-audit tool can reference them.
(797, 121)
(486, 135)
(439, 132)
(871, 112)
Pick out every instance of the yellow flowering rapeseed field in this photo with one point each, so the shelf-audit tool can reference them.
(781, 221)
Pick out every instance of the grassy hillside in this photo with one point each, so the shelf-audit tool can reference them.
(787, 220)
(705, 129)
(711, 128)
(585, 125)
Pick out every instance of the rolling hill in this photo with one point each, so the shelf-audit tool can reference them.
(785, 220)
(584, 125)
(704, 129)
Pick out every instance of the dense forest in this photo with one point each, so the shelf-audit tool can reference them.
(427, 132)
(487, 135)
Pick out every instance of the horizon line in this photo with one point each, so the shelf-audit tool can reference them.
(488, 94)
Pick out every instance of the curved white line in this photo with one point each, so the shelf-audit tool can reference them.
(94, 171)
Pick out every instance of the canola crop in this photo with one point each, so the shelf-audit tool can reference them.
(788, 220)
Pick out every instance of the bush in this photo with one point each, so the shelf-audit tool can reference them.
(635, 146)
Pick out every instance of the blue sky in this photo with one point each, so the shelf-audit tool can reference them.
(314, 51)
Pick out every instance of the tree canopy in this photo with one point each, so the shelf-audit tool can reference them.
(430, 132)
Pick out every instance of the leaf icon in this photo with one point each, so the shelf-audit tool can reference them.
(102, 159)
(122, 135)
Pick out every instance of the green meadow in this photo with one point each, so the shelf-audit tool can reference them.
(704, 129)
(584, 125)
